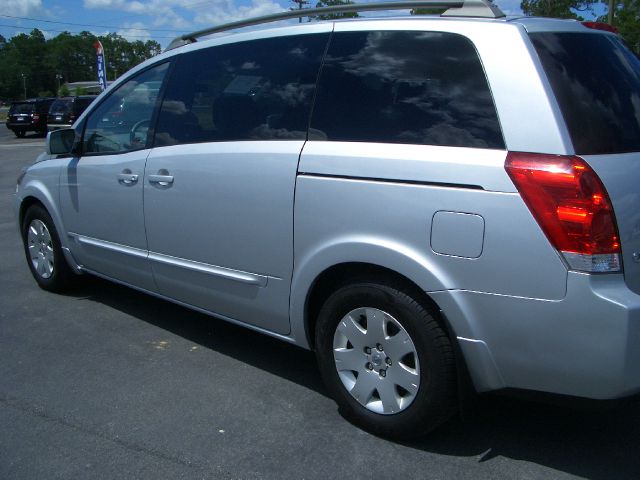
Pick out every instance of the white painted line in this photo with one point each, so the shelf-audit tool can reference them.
(24, 145)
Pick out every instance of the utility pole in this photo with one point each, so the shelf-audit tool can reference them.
(24, 84)
(610, 13)
(58, 78)
(300, 6)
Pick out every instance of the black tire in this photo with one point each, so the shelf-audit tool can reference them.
(435, 399)
(55, 274)
(20, 133)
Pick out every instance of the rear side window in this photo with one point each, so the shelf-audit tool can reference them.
(596, 81)
(43, 107)
(255, 90)
(414, 87)
(81, 104)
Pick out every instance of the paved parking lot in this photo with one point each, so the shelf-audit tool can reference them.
(109, 383)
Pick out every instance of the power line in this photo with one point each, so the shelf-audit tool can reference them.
(67, 31)
(186, 6)
(90, 25)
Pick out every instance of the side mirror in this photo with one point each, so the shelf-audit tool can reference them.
(61, 142)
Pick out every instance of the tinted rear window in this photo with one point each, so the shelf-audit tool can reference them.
(596, 80)
(413, 87)
(22, 108)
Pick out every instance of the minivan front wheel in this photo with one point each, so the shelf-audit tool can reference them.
(385, 359)
(43, 250)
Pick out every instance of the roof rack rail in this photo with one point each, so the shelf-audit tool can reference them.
(456, 8)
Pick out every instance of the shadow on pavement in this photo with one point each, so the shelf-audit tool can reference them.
(596, 444)
(28, 136)
(258, 350)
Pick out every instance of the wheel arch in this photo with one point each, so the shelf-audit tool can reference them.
(350, 256)
(338, 275)
(25, 205)
(36, 194)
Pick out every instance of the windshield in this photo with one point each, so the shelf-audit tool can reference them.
(60, 106)
(596, 80)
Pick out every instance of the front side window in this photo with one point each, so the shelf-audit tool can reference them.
(425, 88)
(121, 123)
(254, 90)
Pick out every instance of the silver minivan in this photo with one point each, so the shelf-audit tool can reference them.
(419, 200)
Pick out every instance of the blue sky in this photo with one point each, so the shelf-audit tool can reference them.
(160, 20)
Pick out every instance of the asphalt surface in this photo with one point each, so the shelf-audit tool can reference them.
(110, 383)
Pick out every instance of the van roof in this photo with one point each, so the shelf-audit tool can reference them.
(454, 8)
(459, 10)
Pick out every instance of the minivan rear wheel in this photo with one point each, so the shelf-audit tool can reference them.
(385, 359)
(44, 252)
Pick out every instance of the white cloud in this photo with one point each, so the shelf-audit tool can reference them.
(22, 8)
(160, 12)
(226, 11)
(134, 31)
(172, 13)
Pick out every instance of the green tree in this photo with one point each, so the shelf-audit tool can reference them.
(333, 16)
(556, 8)
(626, 18)
(121, 55)
(73, 56)
(22, 60)
(32, 61)
(626, 15)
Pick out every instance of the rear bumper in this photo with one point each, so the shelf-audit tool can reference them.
(585, 345)
(22, 126)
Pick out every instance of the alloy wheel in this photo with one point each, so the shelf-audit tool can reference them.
(376, 360)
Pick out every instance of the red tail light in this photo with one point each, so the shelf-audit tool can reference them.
(35, 116)
(571, 206)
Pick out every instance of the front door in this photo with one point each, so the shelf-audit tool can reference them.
(101, 190)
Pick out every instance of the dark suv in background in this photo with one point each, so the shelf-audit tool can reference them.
(64, 111)
(29, 116)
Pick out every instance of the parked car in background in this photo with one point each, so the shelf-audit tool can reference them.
(64, 111)
(29, 116)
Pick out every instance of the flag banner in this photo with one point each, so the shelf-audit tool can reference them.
(102, 73)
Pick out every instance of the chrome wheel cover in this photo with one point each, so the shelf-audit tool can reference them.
(376, 360)
(40, 248)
